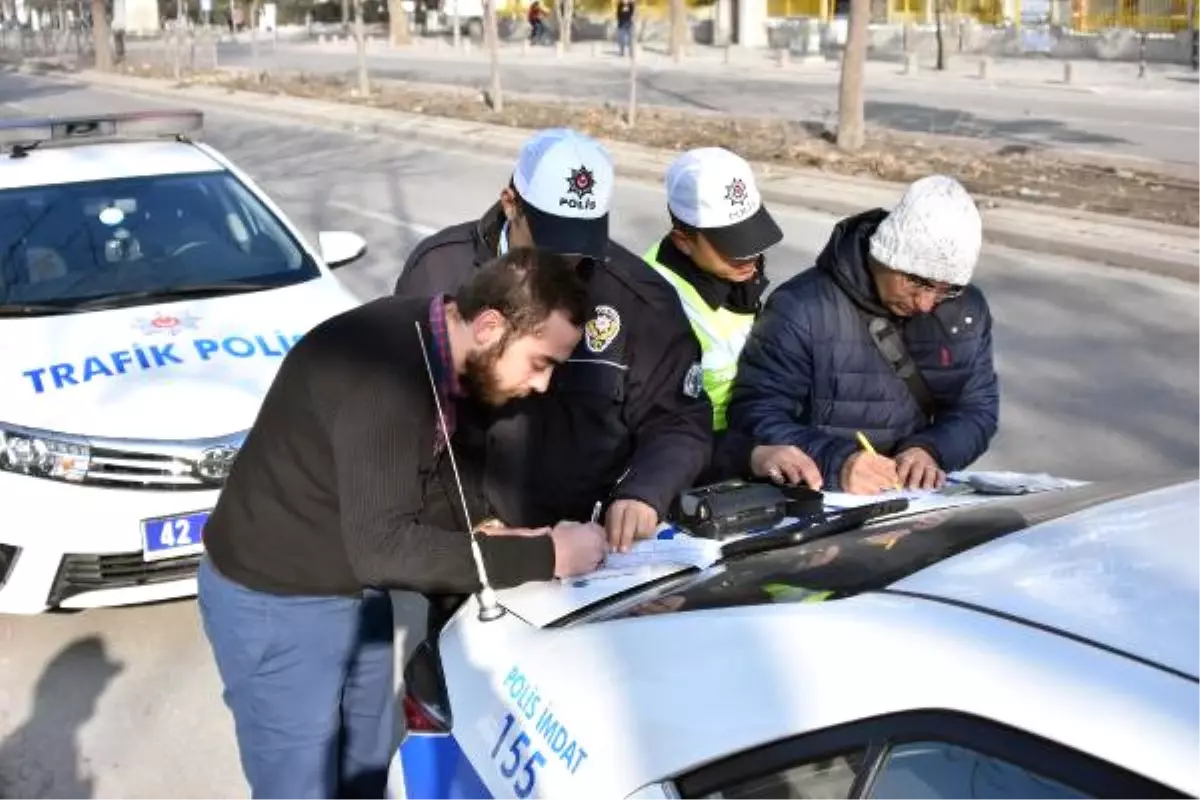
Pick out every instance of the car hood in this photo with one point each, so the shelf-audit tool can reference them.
(175, 370)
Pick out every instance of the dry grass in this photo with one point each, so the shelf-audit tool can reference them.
(1001, 172)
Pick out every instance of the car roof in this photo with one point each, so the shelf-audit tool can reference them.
(1123, 575)
(77, 163)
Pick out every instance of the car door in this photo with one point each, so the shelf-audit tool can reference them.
(928, 754)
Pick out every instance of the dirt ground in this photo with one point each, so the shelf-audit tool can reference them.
(999, 172)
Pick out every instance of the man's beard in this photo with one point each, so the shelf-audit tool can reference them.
(480, 379)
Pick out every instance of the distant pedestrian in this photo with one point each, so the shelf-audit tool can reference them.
(537, 22)
(625, 10)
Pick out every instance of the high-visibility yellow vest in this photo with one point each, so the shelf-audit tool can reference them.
(722, 334)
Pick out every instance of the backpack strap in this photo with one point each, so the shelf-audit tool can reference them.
(891, 345)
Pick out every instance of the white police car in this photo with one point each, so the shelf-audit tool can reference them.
(1040, 646)
(148, 292)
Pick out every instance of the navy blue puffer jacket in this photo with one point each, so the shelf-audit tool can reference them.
(811, 376)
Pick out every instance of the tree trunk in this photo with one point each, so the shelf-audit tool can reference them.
(254, 6)
(679, 28)
(941, 41)
(1192, 43)
(631, 117)
(850, 133)
(360, 37)
(492, 34)
(345, 15)
(566, 19)
(100, 40)
(398, 26)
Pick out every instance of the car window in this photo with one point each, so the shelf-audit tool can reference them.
(939, 769)
(829, 777)
(72, 242)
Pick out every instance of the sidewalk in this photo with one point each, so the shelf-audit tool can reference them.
(1154, 247)
(1085, 76)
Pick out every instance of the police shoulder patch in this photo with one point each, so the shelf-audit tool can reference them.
(602, 329)
(693, 381)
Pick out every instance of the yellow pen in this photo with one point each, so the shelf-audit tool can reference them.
(866, 445)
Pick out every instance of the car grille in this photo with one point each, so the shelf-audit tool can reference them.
(88, 573)
(127, 469)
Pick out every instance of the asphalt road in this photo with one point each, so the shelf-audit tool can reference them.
(1157, 124)
(1099, 374)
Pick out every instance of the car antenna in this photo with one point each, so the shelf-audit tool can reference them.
(489, 606)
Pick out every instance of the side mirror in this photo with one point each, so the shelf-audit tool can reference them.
(339, 248)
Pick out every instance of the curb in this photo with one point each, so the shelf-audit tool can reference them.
(1166, 250)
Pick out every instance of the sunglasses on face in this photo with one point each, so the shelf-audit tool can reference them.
(946, 291)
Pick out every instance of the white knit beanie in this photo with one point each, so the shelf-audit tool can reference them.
(934, 232)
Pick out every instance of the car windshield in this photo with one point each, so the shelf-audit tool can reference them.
(77, 244)
(857, 561)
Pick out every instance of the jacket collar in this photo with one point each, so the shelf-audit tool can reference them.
(487, 234)
(845, 259)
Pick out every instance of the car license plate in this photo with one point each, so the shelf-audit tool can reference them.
(171, 537)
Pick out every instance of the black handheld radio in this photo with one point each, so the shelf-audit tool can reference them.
(733, 507)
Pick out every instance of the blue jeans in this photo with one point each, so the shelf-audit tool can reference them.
(309, 681)
(625, 38)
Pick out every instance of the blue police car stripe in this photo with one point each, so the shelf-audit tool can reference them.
(435, 766)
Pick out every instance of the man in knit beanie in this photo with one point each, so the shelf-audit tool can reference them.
(886, 337)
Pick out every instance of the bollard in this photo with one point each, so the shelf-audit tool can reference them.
(910, 64)
(466, 44)
(728, 51)
(984, 65)
(1066, 72)
(558, 49)
(783, 57)
(595, 49)
(524, 47)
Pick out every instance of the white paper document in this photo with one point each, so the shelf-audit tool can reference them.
(962, 489)
(681, 550)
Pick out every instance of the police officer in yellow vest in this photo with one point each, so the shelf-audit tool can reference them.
(713, 256)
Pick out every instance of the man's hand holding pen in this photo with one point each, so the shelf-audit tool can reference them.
(579, 547)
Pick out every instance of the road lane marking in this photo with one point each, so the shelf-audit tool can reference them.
(387, 219)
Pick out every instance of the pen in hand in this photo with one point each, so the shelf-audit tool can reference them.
(866, 445)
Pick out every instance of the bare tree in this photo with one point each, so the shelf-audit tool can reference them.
(679, 28)
(492, 32)
(565, 9)
(254, 7)
(1191, 29)
(398, 23)
(100, 37)
(631, 117)
(939, 34)
(360, 36)
(850, 133)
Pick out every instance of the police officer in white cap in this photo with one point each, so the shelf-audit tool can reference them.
(884, 336)
(714, 258)
(626, 423)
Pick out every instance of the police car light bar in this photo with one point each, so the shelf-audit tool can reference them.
(27, 133)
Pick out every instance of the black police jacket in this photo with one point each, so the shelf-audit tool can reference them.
(625, 417)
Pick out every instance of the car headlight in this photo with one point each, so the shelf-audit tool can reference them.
(43, 455)
(214, 463)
